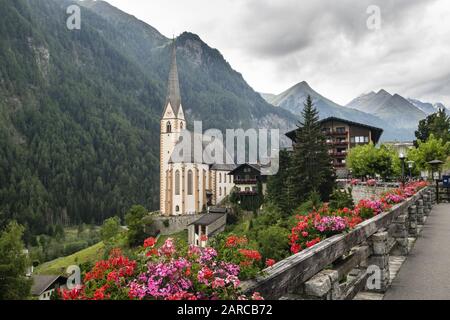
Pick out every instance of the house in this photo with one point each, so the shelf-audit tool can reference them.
(246, 178)
(44, 285)
(342, 135)
(211, 224)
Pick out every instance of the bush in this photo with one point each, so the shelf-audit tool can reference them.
(274, 243)
(341, 199)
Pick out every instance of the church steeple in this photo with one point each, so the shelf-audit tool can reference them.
(173, 86)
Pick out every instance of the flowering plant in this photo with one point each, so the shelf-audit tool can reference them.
(193, 275)
(107, 280)
(237, 250)
(318, 225)
(371, 182)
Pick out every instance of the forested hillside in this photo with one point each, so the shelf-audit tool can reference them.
(79, 110)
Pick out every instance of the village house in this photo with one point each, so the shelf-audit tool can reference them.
(342, 135)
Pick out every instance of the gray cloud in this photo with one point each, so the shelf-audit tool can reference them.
(276, 44)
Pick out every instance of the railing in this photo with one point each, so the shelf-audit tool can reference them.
(247, 193)
(338, 143)
(336, 133)
(338, 267)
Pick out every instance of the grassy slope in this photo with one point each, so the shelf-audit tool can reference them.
(93, 254)
(56, 266)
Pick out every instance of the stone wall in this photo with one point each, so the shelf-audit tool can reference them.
(176, 223)
(360, 192)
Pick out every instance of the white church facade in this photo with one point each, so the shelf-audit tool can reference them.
(187, 186)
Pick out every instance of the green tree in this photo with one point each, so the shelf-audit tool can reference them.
(135, 224)
(311, 166)
(432, 149)
(369, 161)
(110, 229)
(279, 192)
(14, 285)
(437, 124)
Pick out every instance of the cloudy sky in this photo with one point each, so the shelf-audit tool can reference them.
(278, 43)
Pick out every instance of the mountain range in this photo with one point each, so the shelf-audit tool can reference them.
(395, 114)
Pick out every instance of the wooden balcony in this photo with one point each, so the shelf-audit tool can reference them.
(245, 181)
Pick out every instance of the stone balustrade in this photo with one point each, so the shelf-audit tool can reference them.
(341, 266)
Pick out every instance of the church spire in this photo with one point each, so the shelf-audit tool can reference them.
(173, 86)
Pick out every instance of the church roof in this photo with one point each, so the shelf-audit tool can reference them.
(173, 86)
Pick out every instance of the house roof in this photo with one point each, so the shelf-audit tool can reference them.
(377, 132)
(257, 167)
(208, 219)
(42, 282)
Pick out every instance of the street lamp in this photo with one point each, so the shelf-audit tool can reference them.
(402, 158)
(435, 171)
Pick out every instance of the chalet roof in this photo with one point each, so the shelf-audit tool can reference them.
(376, 132)
(208, 219)
(257, 167)
(173, 86)
(42, 282)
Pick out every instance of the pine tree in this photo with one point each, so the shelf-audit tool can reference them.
(311, 167)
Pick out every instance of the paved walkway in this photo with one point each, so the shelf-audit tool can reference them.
(426, 272)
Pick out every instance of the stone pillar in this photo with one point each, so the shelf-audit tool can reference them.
(412, 211)
(401, 233)
(323, 286)
(426, 203)
(379, 262)
(420, 214)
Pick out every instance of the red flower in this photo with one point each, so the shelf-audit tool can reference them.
(313, 242)
(270, 262)
(204, 237)
(234, 241)
(251, 254)
(149, 242)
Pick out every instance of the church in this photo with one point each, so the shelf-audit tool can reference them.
(187, 186)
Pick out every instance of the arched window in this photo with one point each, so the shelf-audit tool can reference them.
(225, 191)
(181, 125)
(220, 177)
(169, 127)
(190, 182)
(220, 191)
(177, 183)
(177, 208)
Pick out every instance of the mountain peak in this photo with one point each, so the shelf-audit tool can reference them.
(384, 93)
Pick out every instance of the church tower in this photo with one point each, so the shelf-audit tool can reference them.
(172, 123)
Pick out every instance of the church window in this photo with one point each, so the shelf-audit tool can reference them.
(181, 125)
(177, 208)
(169, 127)
(190, 182)
(220, 191)
(220, 177)
(225, 191)
(177, 183)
